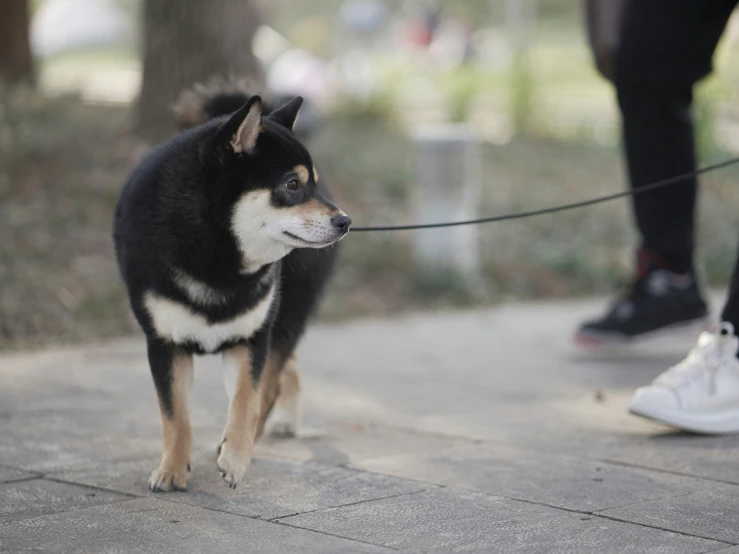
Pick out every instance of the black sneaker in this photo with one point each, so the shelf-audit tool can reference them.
(659, 300)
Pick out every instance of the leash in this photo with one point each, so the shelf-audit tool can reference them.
(554, 209)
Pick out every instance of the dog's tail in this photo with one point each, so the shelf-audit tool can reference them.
(205, 101)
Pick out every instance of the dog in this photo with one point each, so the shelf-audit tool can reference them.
(216, 236)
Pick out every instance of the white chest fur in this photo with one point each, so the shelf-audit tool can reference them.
(176, 322)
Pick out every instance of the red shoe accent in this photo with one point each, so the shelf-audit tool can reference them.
(647, 260)
(588, 341)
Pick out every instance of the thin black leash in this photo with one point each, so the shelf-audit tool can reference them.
(554, 209)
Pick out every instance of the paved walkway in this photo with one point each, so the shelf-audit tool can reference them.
(465, 432)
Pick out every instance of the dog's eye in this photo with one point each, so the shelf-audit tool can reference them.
(292, 185)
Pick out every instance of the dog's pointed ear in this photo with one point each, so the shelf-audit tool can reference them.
(287, 114)
(242, 129)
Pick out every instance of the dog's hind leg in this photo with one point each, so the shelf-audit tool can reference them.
(243, 371)
(172, 370)
(285, 416)
(269, 387)
(280, 393)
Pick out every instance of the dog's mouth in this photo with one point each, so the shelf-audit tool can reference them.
(311, 244)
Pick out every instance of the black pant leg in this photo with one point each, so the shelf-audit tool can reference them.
(731, 308)
(665, 47)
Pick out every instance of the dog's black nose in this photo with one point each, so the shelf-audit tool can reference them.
(342, 222)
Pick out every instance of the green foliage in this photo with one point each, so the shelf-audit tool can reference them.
(460, 85)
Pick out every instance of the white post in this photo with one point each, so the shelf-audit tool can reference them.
(447, 188)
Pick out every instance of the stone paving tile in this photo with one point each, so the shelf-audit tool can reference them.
(709, 512)
(629, 440)
(710, 457)
(272, 488)
(156, 526)
(8, 474)
(461, 521)
(43, 452)
(354, 442)
(562, 481)
(28, 499)
(92, 413)
(85, 437)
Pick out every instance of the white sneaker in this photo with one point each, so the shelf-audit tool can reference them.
(701, 393)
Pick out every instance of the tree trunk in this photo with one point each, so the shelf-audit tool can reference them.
(190, 41)
(16, 63)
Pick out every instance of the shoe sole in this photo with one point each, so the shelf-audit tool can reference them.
(597, 341)
(721, 423)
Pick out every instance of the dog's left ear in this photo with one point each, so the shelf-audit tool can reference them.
(287, 114)
(243, 127)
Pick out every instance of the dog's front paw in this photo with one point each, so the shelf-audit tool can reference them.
(233, 463)
(165, 480)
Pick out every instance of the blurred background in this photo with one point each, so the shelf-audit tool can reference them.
(415, 111)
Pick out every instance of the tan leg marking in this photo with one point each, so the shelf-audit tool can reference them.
(243, 418)
(269, 387)
(176, 431)
(283, 422)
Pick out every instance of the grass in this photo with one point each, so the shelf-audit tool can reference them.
(64, 163)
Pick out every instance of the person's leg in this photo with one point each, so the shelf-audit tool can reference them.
(730, 313)
(664, 48)
(701, 393)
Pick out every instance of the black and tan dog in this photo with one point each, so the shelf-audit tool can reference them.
(215, 235)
